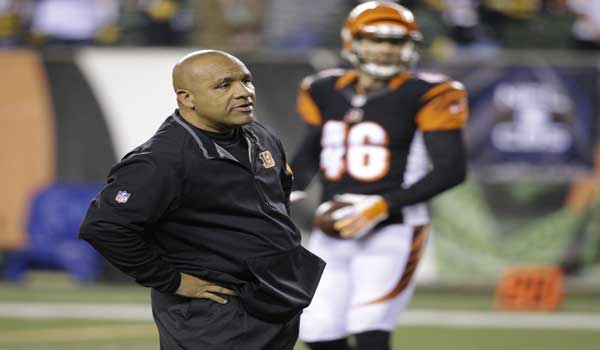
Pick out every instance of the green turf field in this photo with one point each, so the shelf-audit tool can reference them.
(50, 334)
(67, 335)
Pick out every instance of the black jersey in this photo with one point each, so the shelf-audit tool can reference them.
(403, 141)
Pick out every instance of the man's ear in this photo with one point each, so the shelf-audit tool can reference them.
(185, 98)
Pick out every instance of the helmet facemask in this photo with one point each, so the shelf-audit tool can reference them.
(379, 38)
(382, 56)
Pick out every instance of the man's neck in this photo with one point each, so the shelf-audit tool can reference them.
(192, 118)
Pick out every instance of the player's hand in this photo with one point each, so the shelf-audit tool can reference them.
(194, 287)
(358, 219)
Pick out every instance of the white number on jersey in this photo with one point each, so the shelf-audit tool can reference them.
(361, 150)
(333, 149)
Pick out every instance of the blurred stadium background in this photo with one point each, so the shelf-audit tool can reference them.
(514, 258)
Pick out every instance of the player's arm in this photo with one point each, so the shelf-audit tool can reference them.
(442, 116)
(305, 162)
(449, 168)
(138, 192)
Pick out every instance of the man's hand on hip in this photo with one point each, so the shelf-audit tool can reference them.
(194, 287)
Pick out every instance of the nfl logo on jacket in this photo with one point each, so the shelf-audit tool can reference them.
(122, 197)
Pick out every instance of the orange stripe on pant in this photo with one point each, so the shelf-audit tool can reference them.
(416, 252)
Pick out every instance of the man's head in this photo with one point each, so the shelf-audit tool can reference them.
(379, 38)
(214, 89)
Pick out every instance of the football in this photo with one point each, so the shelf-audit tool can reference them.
(323, 220)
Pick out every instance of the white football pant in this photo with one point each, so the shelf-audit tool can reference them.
(366, 283)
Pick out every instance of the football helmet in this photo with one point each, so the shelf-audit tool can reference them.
(380, 21)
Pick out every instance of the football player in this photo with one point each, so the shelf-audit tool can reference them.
(384, 141)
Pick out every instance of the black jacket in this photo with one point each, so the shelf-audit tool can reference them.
(182, 203)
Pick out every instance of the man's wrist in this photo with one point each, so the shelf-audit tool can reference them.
(174, 283)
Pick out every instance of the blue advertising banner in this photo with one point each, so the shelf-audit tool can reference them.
(531, 122)
(532, 193)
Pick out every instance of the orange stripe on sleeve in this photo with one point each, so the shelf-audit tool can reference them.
(307, 108)
(445, 108)
(348, 78)
(399, 80)
(436, 90)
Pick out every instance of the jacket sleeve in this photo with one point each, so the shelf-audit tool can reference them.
(447, 154)
(139, 191)
(441, 118)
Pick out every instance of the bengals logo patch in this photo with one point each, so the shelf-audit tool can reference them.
(267, 159)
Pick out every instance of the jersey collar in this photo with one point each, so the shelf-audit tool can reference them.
(351, 77)
(209, 148)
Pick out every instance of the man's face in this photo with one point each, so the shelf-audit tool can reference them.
(382, 51)
(386, 53)
(223, 94)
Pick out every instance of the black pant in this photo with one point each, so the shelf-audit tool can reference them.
(202, 324)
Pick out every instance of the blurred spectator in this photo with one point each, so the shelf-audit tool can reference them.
(73, 22)
(586, 29)
(307, 24)
(463, 21)
(500, 16)
(231, 24)
(11, 22)
(165, 22)
(478, 28)
(466, 36)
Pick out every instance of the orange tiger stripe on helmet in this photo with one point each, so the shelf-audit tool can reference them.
(377, 13)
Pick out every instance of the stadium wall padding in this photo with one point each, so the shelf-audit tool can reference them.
(84, 148)
(134, 90)
(27, 140)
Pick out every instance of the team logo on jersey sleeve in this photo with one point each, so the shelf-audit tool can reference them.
(267, 159)
(122, 197)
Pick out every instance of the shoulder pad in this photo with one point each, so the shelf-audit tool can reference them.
(432, 77)
(327, 74)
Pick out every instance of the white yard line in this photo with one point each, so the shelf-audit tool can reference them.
(490, 319)
(447, 318)
(128, 312)
(73, 334)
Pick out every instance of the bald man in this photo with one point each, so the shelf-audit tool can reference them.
(200, 214)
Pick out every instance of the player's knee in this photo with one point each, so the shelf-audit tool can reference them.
(373, 340)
